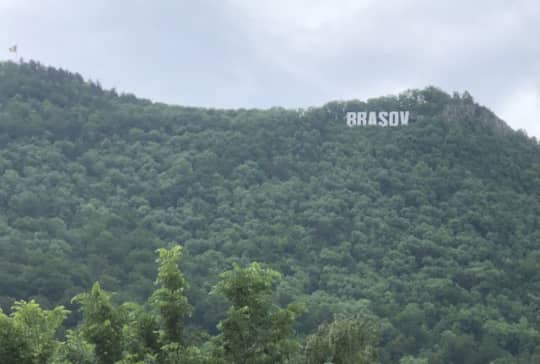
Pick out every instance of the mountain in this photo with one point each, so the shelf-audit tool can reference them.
(432, 227)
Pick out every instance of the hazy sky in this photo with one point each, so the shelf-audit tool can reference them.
(291, 53)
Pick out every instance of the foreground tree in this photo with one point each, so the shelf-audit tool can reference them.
(255, 331)
(13, 349)
(102, 324)
(27, 336)
(171, 307)
(169, 300)
(346, 340)
(75, 350)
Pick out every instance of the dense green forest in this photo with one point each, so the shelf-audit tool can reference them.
(414, 244)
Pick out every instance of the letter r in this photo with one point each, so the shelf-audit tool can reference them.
(362, 118)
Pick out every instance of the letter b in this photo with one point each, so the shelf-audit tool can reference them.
(351, 119)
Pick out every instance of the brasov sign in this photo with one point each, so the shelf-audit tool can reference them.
(377, 118)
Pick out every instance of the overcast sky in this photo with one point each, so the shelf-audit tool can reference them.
(291, 53)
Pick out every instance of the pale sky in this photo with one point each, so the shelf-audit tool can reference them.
(290, 53)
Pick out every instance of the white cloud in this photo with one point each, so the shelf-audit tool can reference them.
(522, 109)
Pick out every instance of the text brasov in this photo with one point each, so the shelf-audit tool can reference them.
(377, 118)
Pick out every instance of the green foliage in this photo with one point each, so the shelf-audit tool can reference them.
(169, 300)
(101, 325)
(14, 349)
(28, 334)
(412, 360)
(345, 340)
(75, 349)
(432, 227)
(255, 330)
(140, 333)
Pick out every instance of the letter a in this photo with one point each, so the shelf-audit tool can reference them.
(372, 118)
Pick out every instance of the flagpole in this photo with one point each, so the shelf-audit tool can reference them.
(14, 49)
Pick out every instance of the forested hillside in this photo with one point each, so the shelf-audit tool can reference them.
(432, 228)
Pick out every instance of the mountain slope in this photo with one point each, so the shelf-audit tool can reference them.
(434, 227)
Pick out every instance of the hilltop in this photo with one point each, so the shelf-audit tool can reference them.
(432, 227)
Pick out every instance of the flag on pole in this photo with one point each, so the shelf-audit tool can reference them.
(13, 49)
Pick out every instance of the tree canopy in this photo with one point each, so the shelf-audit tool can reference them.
(427, 233)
